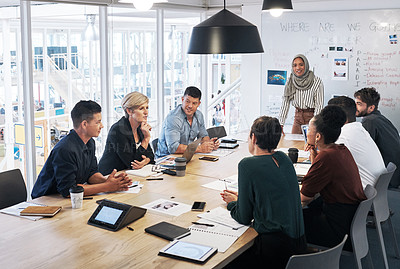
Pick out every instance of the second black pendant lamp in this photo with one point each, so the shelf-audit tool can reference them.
(225, 33)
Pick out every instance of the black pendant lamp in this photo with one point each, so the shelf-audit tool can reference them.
(225, 33)
(277, 4)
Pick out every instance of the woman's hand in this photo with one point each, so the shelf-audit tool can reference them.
(145, 128)
(229, 196)
(313, 151)
(137, 165)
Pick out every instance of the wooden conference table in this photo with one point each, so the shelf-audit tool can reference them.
(67, 241)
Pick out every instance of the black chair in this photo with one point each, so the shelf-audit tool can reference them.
(218, 132)
(154, 145)
(12, 188)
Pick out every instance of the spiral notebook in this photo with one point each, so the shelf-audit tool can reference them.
(219, 236)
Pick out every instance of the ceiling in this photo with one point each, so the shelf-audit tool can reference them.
(298, 5)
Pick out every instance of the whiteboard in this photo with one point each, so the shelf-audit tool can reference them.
(367, 41)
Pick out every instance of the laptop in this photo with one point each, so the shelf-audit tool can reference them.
(191, 149)
(304, 129)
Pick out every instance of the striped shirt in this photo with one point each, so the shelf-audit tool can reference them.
(312, 98)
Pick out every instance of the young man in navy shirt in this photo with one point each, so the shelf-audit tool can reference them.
(73, 162)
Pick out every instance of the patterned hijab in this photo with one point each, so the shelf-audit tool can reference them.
(301, 83)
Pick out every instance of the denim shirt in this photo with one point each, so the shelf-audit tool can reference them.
(177, 130)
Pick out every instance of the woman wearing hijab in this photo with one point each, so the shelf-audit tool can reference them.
(305, 91)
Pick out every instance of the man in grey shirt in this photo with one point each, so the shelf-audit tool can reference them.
(183, 125)
(380, 128)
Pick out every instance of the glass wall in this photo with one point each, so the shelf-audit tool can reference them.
(12, 142)
(66, 69)
(180, 69)
(134, 58)
(224, 71)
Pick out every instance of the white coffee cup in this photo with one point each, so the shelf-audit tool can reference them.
(76, 193)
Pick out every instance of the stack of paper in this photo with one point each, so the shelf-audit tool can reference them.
(221, 233)
(167, 207)
(229, 183)
(301, 169)
(146, 171)
(15, 210)
(222, 216)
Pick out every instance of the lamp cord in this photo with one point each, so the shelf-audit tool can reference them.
(224, 5)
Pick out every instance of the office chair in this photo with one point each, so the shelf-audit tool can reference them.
(329, 258)
(154, 145)
(358, 230)
(218, 131)
(381, 211)
(12, 188)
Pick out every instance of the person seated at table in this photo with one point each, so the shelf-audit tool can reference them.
(73, 162)
(183, 125)
(334, 175)
(269, 194)
(365, 152)
(128, 141)
(381, 129)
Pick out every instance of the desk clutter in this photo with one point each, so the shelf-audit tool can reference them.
(33, 208)
(169, 200)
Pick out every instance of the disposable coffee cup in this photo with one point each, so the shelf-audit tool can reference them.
(180, 166)
(76, 193)
(293, 154)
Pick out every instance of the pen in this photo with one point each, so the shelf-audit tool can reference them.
(87, 198)
(132, 186)
(226, 188)
(155, 178)
(205, 224)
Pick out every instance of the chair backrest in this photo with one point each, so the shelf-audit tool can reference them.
(358, 231)
(12, 188)
(328, 259)
(154, 145)
(218, 131)
(380, 205)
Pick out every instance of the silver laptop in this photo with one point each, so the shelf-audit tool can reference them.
(191, 149)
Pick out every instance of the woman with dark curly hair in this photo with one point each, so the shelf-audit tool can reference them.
(334, 175)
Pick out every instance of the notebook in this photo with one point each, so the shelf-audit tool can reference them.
(167, 231)
(46, 211)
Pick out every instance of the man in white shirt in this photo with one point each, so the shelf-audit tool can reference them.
(364, 150)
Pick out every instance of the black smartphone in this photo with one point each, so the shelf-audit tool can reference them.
(209, 158)
(198, 206)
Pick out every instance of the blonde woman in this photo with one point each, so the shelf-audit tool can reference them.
(128, 142)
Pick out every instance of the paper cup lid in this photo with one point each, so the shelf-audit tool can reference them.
(180, 159)
(76, 189)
